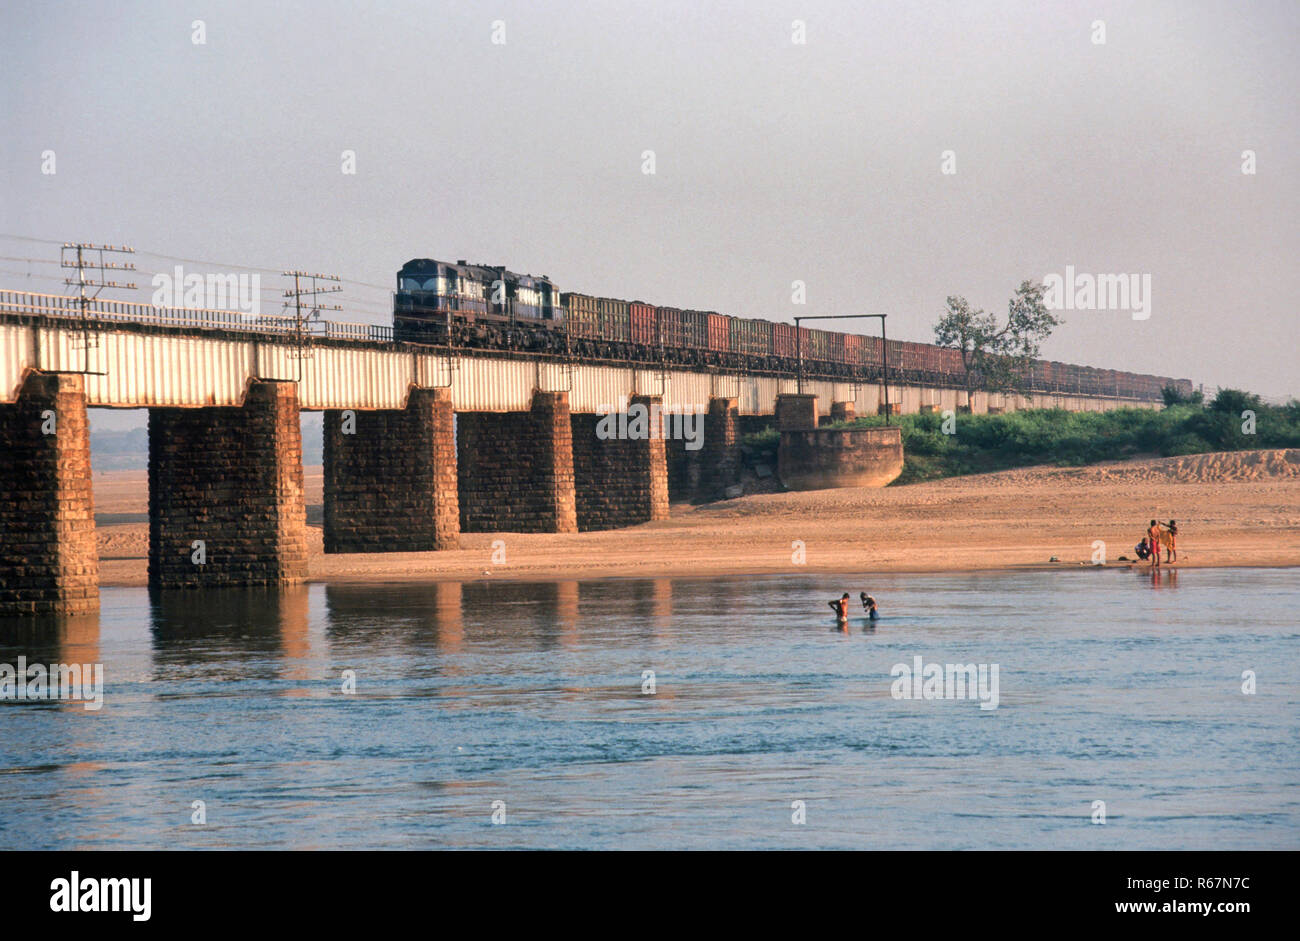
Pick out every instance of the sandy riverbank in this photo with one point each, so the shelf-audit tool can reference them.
(1240, 509)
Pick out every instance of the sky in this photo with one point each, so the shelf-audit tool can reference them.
(775, 160)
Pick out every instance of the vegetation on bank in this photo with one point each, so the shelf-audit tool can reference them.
(982, 443)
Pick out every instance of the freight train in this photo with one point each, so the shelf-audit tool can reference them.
(490, 307)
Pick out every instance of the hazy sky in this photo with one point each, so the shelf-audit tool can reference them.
(775, 161)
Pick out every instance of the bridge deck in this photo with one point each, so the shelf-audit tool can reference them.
(138, 356)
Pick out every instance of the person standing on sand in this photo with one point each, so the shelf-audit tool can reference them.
(1171, 553)
(1153, 537)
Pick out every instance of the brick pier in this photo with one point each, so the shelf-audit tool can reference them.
(391, 484)
(231, 478)
(720, 456)
(796, 412)
(515, 469)
(842, 412)
(48, 560)
(620, 481)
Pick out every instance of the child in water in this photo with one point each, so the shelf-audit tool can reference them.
(869, 606)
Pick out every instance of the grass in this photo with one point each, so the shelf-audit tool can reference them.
(982, 443)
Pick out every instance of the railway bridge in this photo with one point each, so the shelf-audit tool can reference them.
(420, 443)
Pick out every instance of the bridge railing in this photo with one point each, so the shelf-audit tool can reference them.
(112, 311)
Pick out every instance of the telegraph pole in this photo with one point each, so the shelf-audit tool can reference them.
(884, 349)
(93, 270)
(306, 315)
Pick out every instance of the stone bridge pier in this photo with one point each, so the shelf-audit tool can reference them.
(390, 477)
(515, 469)
(226, 493)
(621, 479)
(49, 563)
(705, 473)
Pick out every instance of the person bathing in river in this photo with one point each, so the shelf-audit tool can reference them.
(869, 606)
(841, 607)
(1153, 537)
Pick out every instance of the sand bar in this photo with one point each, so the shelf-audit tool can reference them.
(1238, 509)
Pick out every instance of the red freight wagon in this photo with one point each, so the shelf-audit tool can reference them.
(783, 340)
(719, 332)
(803, 342)
(855, 349)
(643, 323)
(903, 360)
(932, 361)
(1060, 376)
(953, 369)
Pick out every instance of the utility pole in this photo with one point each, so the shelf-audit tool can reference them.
(304, 316)
(93, 269)
(884, 349)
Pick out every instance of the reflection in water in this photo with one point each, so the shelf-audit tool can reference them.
(51, 639)
(55, 640)
(230, 628)
(566, 612)
(1160, 576)
(534, 694)
(661, 607)
(419, 615)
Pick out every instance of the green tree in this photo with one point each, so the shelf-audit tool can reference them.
(1173, 396)
(1235, 401)
(996, 355)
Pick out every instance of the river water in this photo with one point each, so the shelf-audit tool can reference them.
(670, 713)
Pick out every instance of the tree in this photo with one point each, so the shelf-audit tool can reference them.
(997, 356)
(1174, 396)
(1235, 401)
